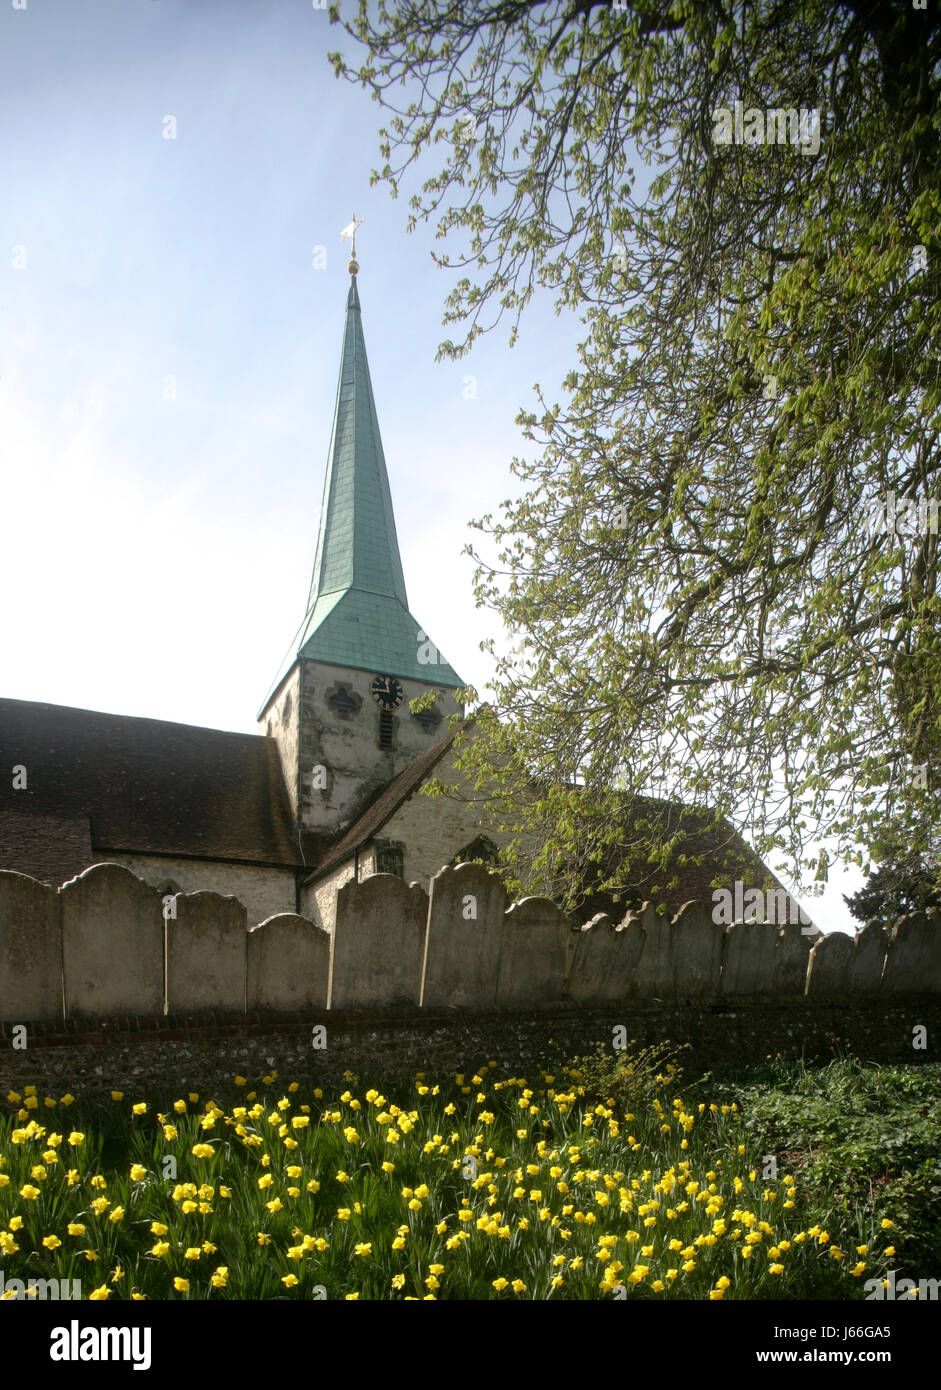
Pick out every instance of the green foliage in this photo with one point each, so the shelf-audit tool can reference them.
(628, 1079)
(479, 1185)
(697, 609)
(894, 890)
(583, 1178)
(860, 1137)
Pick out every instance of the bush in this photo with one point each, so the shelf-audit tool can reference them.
(630, 1078)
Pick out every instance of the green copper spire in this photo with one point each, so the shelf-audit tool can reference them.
(357, 610)
(357, 547)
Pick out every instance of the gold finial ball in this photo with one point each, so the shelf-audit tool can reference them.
(353, 267)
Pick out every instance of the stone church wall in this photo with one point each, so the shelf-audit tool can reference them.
(336, 728)
(261, 890)
(319, 900)
(433, 829)
(279, 721)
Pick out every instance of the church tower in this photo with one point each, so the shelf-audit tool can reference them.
(339, 710)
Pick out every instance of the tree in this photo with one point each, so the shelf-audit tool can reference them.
(893, 891)
(721, 580)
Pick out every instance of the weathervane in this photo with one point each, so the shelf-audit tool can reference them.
(350, 232)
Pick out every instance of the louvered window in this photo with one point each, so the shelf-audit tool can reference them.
(390, 857)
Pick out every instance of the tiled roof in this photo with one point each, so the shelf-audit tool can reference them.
(722, 851)
(49, 848)
(140, 785)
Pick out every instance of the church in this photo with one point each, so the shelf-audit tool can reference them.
(327, 789)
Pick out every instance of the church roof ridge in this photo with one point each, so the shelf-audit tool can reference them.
(10, 705)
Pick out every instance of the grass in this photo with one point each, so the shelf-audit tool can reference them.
(593, 1179)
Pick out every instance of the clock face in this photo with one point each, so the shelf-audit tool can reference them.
(387, 692)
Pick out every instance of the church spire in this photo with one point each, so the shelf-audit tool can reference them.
(357, 547)
(357, 609)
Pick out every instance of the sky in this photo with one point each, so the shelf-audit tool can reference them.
(169, 353)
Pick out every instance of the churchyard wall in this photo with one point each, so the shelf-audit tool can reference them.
(108, 943)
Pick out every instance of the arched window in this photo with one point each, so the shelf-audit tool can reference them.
(479, 848)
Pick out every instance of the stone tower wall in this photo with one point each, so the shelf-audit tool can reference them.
(346, 745)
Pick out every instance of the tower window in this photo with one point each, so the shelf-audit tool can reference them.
(390, 857)
(386, 728)
(344, 702)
